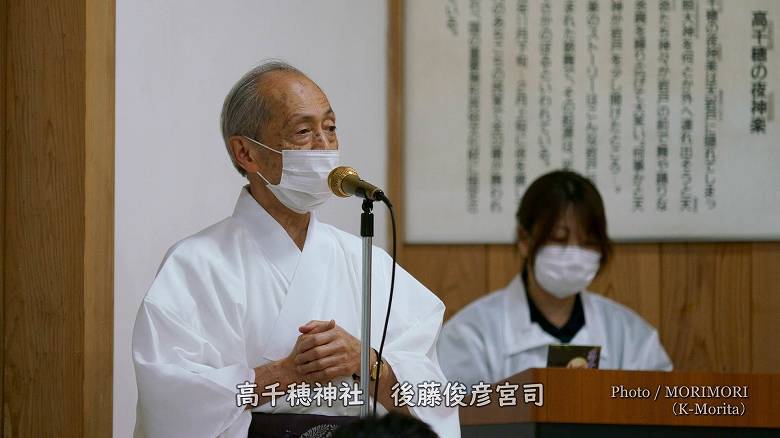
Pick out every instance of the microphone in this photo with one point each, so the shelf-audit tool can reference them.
(344, 181)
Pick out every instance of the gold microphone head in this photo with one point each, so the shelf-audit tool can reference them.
(336, 177)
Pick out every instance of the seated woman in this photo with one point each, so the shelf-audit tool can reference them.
(562, 238)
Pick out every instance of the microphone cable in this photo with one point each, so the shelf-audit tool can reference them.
(389, 303)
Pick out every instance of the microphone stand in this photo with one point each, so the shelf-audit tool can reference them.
(367, 234)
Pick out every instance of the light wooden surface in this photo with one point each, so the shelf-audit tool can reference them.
(3, 101)
(57, 235)
(99, 219)
(449, 270)
(395, 119)
(706, 294)
(765, 307)
(585, 397)
(632, 277)
(715, 304)
(44, 235)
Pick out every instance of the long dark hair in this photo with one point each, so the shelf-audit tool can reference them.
(548, 198)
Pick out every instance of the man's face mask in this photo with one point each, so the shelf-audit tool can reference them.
(304, 183)
(565, 270)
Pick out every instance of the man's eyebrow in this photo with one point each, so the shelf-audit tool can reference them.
(306, 116)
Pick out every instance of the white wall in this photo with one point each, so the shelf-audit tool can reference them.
(175, 61)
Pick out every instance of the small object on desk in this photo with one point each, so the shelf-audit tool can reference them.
(573, 356)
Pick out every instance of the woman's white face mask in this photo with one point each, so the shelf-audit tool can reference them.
(565, 270)
(304, 183)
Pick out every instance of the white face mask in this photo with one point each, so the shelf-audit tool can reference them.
(565, 270)
(304, 183)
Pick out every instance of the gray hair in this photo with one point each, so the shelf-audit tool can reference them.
(246, 110)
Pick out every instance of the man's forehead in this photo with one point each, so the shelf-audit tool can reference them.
(291, 90)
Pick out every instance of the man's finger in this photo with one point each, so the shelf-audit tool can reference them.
(312, 340)
(311, 325)
(336, 371)
(316, 353)
(320, 364)
(316, 326)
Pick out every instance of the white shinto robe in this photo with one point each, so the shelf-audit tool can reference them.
(231, 298)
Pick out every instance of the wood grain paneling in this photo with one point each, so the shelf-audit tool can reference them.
(766, 307)
(585, 396)
(58, 219)
(44, 229)
(3, 77)
(395, 77)
(632, 277)
(456, 273)
(98, 336)
(503, 263)
(706, 305)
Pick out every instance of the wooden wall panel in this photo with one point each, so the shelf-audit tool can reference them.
(98, 337)
(57, 229)
(765, 332)
(632, 277)
(706, 305)
(456, 273)
(395, 119)
(3, 69)
(503, 264)
(44, 346)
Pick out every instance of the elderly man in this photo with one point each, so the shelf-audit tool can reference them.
(267, 300)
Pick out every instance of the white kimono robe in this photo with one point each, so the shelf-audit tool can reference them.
(231, 298)
(493, 338)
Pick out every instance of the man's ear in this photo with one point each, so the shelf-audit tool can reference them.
(241, 149)
(522, 242)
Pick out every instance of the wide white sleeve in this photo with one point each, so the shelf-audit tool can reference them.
(650, 354)
(410, 349)
(644, 350)
(462, 352)
(188, 360)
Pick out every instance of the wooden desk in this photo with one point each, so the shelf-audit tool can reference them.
(604, 403)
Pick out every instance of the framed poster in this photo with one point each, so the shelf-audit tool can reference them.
(668, 106)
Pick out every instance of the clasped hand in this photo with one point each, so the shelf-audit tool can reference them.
(324, 352)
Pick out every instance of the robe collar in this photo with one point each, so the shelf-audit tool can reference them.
(521, 334)
(271, 237)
